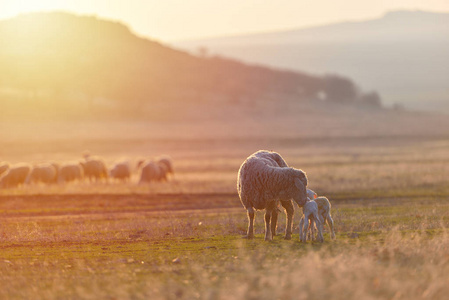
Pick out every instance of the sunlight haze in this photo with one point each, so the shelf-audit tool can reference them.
(180, 20)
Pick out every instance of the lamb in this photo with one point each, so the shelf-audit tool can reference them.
(15, 176)
(309, 220)
(4, 166)
(70, 172)
(324, 209)
(94, 169)
(45, 173)
(152, 171)
(121, 171)
(264, 180)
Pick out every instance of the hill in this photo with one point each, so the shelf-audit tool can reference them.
(52, 61)
(403, 55)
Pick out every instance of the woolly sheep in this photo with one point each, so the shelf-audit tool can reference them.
(15, 176)
(121, 171)
(152, 171)
(309, 220)
(94, 169)
(262, 183)
(45, 173)
(4, 166)
(166, 161)
(70, 172)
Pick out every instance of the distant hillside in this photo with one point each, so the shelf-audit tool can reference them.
(52, 61)
(403, 55)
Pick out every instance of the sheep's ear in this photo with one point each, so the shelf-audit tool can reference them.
(299, 184)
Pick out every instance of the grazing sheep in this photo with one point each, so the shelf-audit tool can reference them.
(4, 166)
(94, 169)
(121, 171)
(70, 172)
(45, 173)
(166, 161)
(309, 220)
(262, 183)
(15, 176)
(152, 171)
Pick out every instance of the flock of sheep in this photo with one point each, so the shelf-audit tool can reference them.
(92, 169)
(265, 181)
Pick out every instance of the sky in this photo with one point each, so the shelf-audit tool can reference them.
(176, 20)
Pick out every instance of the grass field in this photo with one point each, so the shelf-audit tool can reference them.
(184, 239)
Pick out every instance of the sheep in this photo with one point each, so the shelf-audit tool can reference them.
(308, 221)
(70, 172)
(45, 173)
(167, 162)
(94, 169)
(262, 183)
(324, 212)
(152, 171)
(4, 166)
(324, 209)
(15, 176)
(121, 171)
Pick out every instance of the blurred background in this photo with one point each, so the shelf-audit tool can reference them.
(75, 74)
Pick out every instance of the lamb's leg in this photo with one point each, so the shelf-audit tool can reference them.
(274, 221)
(301, 233)
(305, 228)
(250, 234)
(289, 210)
(319, 226)
(330, 222)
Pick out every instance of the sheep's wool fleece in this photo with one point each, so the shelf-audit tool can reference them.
(261, 180)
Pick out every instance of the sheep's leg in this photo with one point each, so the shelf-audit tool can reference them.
(274, 221)
(289, 210)
(268, 236)
(330, 223)
(312, 231)
(250, 234)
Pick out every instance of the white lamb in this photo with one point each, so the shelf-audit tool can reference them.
(262, 183)
(324, 210)
(309, 220)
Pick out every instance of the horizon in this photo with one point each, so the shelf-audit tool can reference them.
(154, 20)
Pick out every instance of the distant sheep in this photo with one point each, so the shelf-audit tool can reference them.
(4, 166)
(121, 171)
(70, 172)
(309, 220)
(152, 171)
(15, 176)
(167, 162)
(264, 180)
(44, 173)
(94, 169)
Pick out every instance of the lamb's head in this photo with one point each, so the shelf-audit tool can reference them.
(300, 182)
(311, 194)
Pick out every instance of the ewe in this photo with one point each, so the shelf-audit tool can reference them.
(264, 180)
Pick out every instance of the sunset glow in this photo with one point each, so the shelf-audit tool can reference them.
(179, 19)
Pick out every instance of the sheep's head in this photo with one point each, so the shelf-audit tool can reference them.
(311, 194)
(300, 181)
